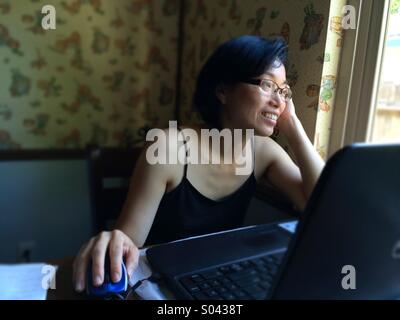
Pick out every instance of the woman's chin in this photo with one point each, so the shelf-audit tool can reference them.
(264, 131)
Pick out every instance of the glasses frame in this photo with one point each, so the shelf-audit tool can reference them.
(278, 88)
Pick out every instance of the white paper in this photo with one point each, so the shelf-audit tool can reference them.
(148, 290)
(22, 282)
(142, 271)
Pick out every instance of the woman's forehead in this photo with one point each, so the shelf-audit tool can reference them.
(278, 74)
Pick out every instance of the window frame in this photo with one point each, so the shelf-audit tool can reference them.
(358, 84)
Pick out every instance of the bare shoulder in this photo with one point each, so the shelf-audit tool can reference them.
(165, 141)
(267, 151)
(161, 153)
(266, 146)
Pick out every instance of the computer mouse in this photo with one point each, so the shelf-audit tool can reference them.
(109, 288)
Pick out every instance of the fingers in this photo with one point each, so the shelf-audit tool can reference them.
(116, 253)
(80, 266)
(96, 249)
(131, 259)
(98, 256)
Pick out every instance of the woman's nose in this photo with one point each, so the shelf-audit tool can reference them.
(276, 100)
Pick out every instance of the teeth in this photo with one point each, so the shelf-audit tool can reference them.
(269, 115)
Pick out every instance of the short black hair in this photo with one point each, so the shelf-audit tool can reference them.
(238, 59)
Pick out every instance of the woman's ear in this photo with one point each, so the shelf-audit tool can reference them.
(221, 92)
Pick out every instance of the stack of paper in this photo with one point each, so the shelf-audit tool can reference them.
(23, 281)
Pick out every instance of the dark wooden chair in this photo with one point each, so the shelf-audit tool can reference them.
(277, 199)
(110, 171)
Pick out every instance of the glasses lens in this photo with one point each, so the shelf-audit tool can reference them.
(268, 86)
(286, 94)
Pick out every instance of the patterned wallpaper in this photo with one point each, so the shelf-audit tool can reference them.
(103, 76)
(303, 23)
(107, 73)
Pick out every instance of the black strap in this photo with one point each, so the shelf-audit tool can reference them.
(254, 153)
(186, 153)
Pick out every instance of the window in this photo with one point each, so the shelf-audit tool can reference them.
(386, 119)
(359, 85)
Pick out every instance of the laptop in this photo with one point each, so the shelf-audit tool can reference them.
(346, 244)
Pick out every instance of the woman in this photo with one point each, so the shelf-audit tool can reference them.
(241, 86)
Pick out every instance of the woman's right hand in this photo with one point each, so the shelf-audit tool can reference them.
(119, 245)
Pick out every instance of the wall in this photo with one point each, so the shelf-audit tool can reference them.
(103, 76)
(107, 73)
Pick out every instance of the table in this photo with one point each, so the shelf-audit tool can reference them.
(64, 286)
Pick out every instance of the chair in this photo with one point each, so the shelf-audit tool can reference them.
(110, 171)
(269, 205)
(44, 203)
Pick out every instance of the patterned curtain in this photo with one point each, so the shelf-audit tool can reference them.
(328, 85)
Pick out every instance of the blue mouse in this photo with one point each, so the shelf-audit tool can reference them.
(108, 288)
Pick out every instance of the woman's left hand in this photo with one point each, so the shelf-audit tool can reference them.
(285, 121)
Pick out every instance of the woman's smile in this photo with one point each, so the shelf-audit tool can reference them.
(269, 118)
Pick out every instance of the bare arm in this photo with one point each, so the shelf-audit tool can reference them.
(283, 174)
(148, 184)
(309, 161)
(296, 181)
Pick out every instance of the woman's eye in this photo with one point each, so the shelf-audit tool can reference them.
(268, 85)
(286, 93)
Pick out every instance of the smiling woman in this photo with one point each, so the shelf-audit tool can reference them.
(224, 81)
(241, 86)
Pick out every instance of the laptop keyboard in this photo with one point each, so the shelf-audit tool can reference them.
(245, 280)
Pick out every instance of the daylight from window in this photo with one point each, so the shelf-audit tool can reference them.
(386, 127)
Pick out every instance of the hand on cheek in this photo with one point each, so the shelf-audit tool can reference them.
(285, 118)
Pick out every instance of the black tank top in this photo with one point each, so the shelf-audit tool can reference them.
(185, 212)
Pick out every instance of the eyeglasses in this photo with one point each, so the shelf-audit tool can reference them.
(270, 86)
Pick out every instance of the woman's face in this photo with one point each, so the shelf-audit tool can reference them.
(247, 106)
